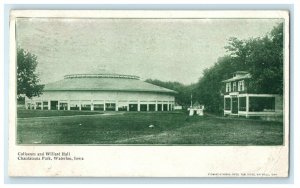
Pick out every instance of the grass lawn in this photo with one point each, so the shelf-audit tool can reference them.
(23, 113)
(171, 128)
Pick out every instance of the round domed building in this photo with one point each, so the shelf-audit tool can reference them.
(103, 92)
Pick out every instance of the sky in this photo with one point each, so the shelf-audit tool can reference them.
(164, 49)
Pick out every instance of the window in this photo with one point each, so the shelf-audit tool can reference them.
(45, 105)
(143, 107)
(234, 86)
(165, 107)
(122, 105)
(228, 87)
(63, 106)
(38, 105)
(110, 106)
(151, 107)
(241, 85)
(159, 107)
(242, 103)
(85, 106)
(99, 107)
(133, 107)
(261, 104)
(74, 105)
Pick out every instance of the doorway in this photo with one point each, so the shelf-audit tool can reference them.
(234, 103)
(54, 105)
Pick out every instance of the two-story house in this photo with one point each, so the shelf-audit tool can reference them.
(239, 100)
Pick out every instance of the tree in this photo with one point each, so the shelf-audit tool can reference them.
(27, 78)
(183, 95)
(209, 86)
(262, 57)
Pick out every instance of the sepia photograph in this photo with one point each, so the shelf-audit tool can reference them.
(124, 93)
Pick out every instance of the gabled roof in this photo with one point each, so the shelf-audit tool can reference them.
(99, 82)
(239, 75)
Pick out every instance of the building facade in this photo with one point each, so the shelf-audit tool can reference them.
(239, 100)
(103, 92)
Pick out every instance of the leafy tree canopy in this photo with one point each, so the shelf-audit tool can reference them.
(262, 57)
(27, 78)
(183, 96)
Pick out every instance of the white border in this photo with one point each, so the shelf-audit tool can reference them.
(153, 161)
(148, 14)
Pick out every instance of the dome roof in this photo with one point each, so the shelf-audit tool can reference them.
(104, 82)
(102, 75)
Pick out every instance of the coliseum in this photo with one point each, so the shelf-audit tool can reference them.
(103, 92)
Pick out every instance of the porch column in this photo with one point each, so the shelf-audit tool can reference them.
(128, 106)
(230, 104)
(34, 105)
(224, 105)
(42, 105)
(104, 107)
(58, 104)
(247, 105)
(116, 108)
(80, 105)
(49, 105)
(168, 108)
(162, 107)
(155, 105)
(92, 105)
(147, 106)
(69, 105)
(139, 109)
(238, 104)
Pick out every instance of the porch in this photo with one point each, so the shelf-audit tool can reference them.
(252, 105)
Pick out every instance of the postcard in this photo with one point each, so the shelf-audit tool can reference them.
(136, 93)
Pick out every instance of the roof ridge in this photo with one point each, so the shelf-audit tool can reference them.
(105, 84)
(101, 75)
